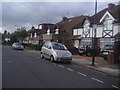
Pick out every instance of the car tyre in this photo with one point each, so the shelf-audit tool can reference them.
(52, 59)
(89, 54)
(41, 55)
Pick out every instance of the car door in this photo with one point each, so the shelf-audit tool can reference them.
(49, 50)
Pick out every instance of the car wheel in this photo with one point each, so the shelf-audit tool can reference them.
(89, 54)
(52, 59)
(41, 55)
(68, 62)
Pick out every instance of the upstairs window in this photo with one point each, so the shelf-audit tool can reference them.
(40, 27)
(57, 31)
(86, 27)
(107, 23)
(35, 34)
(31, 35)
(75, 32)
(48, 32)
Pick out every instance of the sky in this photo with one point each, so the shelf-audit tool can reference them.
(27, 14)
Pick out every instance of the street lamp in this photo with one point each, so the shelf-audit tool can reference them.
(94, 37)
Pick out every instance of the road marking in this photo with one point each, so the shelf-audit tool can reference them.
(61, 66)
(10, 61)
(70, 69)
(97, 80)
(82, 74)
(53, 63)
(115, 86)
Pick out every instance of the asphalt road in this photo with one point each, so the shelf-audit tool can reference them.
(24, 69)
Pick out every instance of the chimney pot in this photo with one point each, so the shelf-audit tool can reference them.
(111, 6)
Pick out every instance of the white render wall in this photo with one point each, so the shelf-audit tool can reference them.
(99, 31)
(116, 29)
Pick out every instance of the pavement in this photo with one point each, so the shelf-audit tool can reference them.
(100, 64)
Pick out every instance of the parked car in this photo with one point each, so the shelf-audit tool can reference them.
(106, 50)
(17, 46)
(72, 49)
(89, 50)
(82, 49)
(56, 52)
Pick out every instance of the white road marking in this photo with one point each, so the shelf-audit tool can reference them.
(115, 86)
(10, 61)
(61, 66)
(54, 63)
(82, 74)
(97, 80)
(70, 69)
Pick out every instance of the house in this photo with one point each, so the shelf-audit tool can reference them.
(41, 34)
(107, 24)
(65, 27)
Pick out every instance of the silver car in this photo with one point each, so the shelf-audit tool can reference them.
(56, 52)
(17, 46)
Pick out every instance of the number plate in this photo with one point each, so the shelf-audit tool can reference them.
(105, 53)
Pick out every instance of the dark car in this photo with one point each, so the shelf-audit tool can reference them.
(106, 50)
(82, 49)
(89, 50)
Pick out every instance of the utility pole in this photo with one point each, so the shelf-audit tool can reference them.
(94, 36)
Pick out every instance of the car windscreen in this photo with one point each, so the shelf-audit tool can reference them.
(18, 44)
(108, 47)
(58, 46)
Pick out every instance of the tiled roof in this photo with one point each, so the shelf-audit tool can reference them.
(115, 12)
(70, 23)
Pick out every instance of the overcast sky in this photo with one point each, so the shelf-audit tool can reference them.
(34, 13)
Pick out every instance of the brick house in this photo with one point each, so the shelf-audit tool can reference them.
(41, 34)
(65, 27)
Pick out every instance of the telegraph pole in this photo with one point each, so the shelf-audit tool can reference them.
(94, 36)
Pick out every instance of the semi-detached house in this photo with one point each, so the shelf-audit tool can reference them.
(107, 26)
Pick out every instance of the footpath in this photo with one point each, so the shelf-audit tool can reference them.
(100, 64)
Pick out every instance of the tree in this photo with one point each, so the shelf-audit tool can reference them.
(21, 33)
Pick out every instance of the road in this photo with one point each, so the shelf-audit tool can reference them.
(24, 69)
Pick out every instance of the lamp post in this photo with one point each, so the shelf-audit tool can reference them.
(94, 36)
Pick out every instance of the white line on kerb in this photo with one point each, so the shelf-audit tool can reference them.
(61, 66)
(82, 74)
(70, 69)
(97, 80)
(115, 86)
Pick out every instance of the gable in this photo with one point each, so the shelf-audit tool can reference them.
(105, 15)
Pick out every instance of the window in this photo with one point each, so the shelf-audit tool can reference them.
(75, 31)
(86, 27)
(31, 35)
(57, 31)
(48, 32)
(40, 27)
(107, 23)
(35, 34)
(58, 46)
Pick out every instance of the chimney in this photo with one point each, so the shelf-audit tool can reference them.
(33, 27)
(64, 18)
(111, 6)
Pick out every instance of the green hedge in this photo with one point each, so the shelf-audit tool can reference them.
(32, 46)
